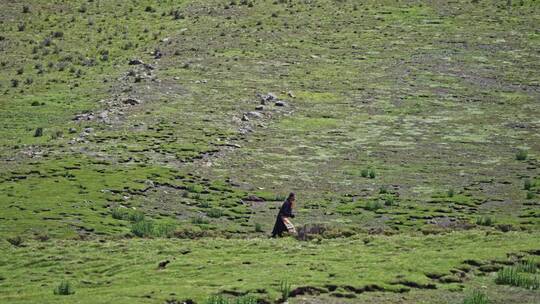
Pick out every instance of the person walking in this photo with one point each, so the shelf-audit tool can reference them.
(283, 222)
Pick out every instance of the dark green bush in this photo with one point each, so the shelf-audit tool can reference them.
(64, 289)
(527, 185)
(521, 155)
(38, 132)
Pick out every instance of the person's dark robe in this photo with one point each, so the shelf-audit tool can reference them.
(284, 211)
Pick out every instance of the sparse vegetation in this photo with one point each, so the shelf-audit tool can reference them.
(173, 130)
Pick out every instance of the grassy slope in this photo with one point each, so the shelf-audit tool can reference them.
(431, 97)
(198, 268)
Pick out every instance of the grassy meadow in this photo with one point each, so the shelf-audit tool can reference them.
(146, 146)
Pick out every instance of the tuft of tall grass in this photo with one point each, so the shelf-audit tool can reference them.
(511, 276)
(64, 289)
(147, 228)
(484, 221)
(476, 297)
(219, 299)
(285, 290)
(143, 228)
(199, 220)
(258, 227)
(127, 214)
(527, 266)
(214, 213)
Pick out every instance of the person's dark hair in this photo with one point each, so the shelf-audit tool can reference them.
(291, 197)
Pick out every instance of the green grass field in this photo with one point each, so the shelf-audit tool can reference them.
(137, 132)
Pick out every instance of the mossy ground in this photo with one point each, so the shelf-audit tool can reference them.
(401, 118)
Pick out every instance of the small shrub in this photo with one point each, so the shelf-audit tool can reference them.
(258, 227)
(21, 27)
(36, 104)
(149, 9)
(16, 241)
(476, 297)
(205, 204)
(38, 132)
(484, 221)
(530, 195)
(389, 201)
(199, 220)
(214, 213)
(383, 190)
(364, 173)
(521, 155)
(285, 290)
(373, 206)
(372, 174)
(14, 83)
(450, 193)
(26, 9)
(527, 185)
(194, 188)
(64, 289)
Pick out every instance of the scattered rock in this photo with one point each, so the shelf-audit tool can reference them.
(254, 198)
(72, 130)
(254, 114)
(267, 98)
(84, 116)
(291, 94)
(103, 115)
(131, 101)
(163, 264)
(280, 103)
(245, 117)
(135, 62)
(259, 108)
